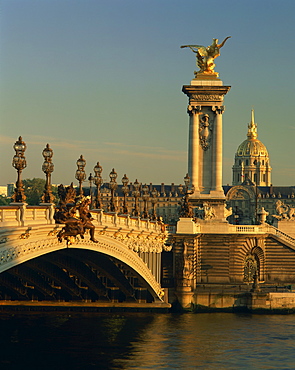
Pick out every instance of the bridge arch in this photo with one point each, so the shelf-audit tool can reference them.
(39, 255)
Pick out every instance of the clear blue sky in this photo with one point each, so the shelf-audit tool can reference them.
(103, 78)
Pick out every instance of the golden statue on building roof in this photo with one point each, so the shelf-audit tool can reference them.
(206, 55)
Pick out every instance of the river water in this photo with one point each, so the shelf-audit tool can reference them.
(146, 341)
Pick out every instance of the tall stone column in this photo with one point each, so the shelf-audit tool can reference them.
(193, 146)
(206, 94)
(217, 154)
(205, 134)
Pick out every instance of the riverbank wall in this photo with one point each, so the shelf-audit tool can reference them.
(256, 302)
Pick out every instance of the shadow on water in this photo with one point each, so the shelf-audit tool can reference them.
(85, 341)
(146, 341)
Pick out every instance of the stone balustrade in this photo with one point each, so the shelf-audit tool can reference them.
(20, 214)
(188, 226)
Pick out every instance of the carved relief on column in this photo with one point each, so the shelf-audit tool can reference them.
(205, 132)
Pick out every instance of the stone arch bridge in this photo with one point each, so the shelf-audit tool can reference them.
(122, 268)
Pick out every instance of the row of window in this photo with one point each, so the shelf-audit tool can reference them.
(252, 177)
(255, 162)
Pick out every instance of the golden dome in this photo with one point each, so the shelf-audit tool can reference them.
(252, 147)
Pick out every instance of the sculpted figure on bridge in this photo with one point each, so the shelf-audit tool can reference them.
(73, 214)
(85, 216)
(73, 225)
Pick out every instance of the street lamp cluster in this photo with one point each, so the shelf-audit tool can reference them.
(136, 190)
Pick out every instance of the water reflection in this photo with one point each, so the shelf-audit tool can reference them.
(147, 341)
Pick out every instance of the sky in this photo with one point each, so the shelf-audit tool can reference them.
(103, 78)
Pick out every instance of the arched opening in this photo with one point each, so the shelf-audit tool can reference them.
(74, 275)
(251, 267)
(254, 264)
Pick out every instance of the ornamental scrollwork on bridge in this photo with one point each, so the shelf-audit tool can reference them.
(207, 97)
(143, 243)
(26, 234)
(11, 253)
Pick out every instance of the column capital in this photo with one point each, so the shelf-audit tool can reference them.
(194, 109)
(218, 109)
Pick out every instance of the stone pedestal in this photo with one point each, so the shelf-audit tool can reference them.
(186, 226)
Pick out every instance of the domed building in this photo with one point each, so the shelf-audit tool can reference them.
(252, 189)
(252, 159)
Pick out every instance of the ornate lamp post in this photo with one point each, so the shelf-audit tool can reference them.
(90, 179)
(19, 163)
(125, 190)
(187, 181)
(154, 200)
(47, 168)
(136, 194)
(113, 186)
(185, 210)
(98, 182)
(145, 197)
(80, 173)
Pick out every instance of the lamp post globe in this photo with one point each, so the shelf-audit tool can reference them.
(47, 168)
(98, 183)
(145, 197)
(19, 163)
(113, 186)
(90, 179)
(185, 209)
(125, 190)
(136, 194)
(80, 173)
